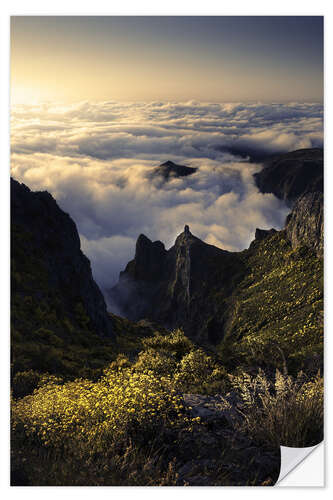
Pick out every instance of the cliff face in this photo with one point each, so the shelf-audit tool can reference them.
(305, 224)
(297, 178)
(291, 175)
(46, 242)
(170, 288)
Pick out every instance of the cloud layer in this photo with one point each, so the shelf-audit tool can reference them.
(96, 159)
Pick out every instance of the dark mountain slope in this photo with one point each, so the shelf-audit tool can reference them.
(276, 312)
(169, 288)
(55, 301)
(293, 174)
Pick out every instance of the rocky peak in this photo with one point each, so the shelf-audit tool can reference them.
(167, 285)
(148, 260)
(170, 169)
(261, 234)
(186, 237)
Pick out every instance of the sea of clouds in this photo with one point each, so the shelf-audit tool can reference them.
(96, 159)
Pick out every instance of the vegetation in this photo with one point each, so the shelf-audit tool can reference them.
(286, 411)
(277, 310)
(130, 425)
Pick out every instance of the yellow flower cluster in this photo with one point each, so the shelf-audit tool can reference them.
(121, 403)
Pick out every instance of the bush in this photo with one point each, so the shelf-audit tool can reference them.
(176, 343)
(199, 373)
(159, 362)
(121, 404)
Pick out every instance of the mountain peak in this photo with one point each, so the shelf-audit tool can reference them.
(170, 169)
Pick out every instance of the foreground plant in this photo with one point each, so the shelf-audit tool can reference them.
(285, 411)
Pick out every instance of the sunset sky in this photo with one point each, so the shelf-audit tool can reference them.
(166, 58)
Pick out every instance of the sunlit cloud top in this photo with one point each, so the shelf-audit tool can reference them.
(166, 58)
(97, 160)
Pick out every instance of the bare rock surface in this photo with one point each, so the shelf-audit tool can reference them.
(305, 224)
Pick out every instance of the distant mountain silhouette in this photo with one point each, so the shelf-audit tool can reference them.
(170, 169)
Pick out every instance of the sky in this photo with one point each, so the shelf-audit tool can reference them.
(98, 103)
(214, 59)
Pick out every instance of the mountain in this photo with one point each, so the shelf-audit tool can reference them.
(243, 303)
(55, 301)
(169, 169)
(167, 286)
(297, 178)
(293, 174)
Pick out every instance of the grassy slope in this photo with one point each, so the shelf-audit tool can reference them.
(276, 312)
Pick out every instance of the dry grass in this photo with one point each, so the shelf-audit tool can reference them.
(286, 411)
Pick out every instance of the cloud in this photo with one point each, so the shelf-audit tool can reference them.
(97, 158)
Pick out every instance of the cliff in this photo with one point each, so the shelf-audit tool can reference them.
(293, 174)
(55, 300)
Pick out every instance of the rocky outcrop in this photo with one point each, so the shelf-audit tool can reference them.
(43, 232)
(167, 286)
(242, 459)
(305, 224)
(261, 234)
(169, 169)
(297, 178)
(148, 260)
(291, 175)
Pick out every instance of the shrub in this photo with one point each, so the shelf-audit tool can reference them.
(159, 362)
(24, 383)
(176, 342)
(124, 404)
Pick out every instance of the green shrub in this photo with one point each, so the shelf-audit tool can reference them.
(176, 342)
(199, 373)
(159, 362)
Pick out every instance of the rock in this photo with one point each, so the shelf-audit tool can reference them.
(54, 240)
(261, 234)
(167, 285)
(218, 409)
(148, 261)
(305, 224)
